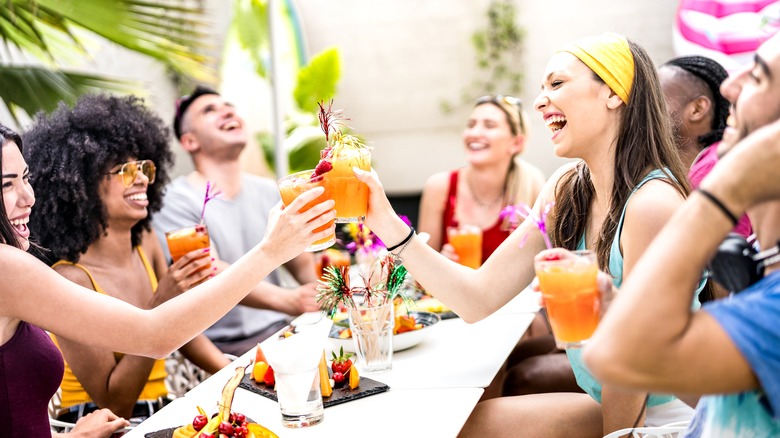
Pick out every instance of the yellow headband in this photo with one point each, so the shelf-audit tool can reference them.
(609, 56)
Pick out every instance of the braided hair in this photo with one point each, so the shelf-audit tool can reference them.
(702, 70)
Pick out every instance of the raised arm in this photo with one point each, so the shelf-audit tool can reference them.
(689, 352)
(34, 293)
(472, 294)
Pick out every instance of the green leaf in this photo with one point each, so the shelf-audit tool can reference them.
(250, 24)
(165, 30)
(36, 88)
(317, 81)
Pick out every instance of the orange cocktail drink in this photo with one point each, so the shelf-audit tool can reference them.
(571, 297)
(187, 239)
(350, 194)
(293, 185)
(467, 242)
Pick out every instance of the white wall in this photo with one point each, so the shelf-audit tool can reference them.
(402, 57)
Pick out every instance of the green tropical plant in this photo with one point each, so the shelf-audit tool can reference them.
(58, 31)
(498, 48)
(304, 139)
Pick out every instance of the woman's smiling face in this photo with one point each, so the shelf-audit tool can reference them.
(488, 136)
(18, 196)
(573, 103)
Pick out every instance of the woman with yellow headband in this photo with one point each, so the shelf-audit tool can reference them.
(601, 100)
(495, 177)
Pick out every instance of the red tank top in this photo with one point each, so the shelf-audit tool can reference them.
(491, 237)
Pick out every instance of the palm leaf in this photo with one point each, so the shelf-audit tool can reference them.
(36, 88)
(250, 24)
(165, 30)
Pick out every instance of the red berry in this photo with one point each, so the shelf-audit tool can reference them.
(239, 418)
(341, 362)
(207, 435)
(338, 377)
(231, 418)
(268, 378)
(323, 167)
(226, 428)
(240, 432)
(551, 256)
(199, 422)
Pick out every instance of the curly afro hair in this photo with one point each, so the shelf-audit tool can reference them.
(71, 150)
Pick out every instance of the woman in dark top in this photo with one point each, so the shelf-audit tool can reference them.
(32, 295)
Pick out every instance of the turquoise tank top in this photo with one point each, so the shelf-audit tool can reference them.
(585, 379)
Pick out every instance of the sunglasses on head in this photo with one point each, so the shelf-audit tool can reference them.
(129, 171)
(506, 102)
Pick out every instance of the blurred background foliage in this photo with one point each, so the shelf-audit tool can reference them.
(40, 36)
(316, 80)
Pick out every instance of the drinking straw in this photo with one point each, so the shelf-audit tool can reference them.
(522, 210)
(210, 194)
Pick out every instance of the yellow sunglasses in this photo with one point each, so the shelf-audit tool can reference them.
(129, 171)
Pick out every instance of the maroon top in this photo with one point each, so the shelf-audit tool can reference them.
(31, 370)
(491, 238)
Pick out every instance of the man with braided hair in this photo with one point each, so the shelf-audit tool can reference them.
(691, 87)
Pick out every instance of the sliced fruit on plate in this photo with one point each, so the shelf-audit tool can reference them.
(431, 305)
(325, 388)
(258, 371)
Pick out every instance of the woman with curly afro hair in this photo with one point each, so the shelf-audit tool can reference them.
(100, 168)
(34, 299)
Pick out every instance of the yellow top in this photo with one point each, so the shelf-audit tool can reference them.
(72, 391)
(609, 56)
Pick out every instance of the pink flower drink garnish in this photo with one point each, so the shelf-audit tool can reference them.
(513, 214)
(211, 193)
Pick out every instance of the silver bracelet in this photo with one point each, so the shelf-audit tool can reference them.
(403, 247)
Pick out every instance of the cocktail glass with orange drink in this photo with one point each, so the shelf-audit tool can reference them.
(184, 240)
(467, 242)
(293, 185)
(571, 296)
(350, 194)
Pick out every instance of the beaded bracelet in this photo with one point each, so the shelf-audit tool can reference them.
(718, 203)
(406, 240)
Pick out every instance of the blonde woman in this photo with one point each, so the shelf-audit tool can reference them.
(495, 136)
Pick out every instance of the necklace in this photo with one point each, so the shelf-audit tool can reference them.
(486, 205)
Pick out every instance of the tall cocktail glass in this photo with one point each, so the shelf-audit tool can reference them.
(293, 185)
(467, 242)
(295, 361)
(571, 297)
(350, 194)
(184, 240)
(372, 334)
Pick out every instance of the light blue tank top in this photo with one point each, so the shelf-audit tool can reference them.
(585, 379)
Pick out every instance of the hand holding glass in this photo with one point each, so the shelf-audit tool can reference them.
(350, 194)
(184, 240)
(293, 185)
(571, 296)
(467, 242)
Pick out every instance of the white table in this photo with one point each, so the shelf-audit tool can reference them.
(434, 386)
(422, 412)
(456, 354)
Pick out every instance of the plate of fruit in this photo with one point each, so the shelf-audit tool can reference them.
(340, 382)
(410, 329)
(224, 423)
